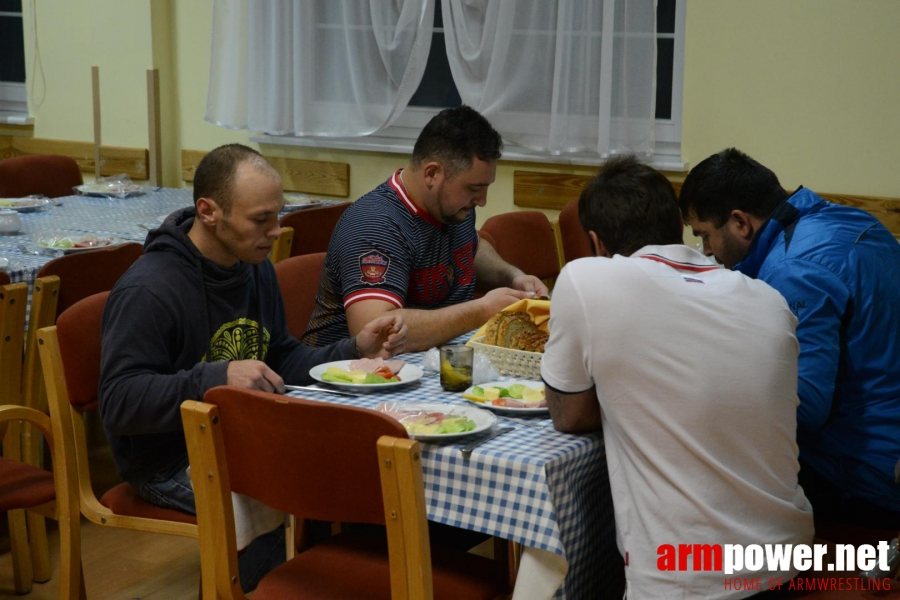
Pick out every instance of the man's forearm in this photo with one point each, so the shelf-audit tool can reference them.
(430, 328)
(491, 271)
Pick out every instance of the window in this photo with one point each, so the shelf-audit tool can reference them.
(437, 90)
(13, 98)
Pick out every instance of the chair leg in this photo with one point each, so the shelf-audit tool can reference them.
(21, 555)
(71, 573)
(40, 551)
(32, 446)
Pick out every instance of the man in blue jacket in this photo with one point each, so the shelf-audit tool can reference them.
(839, 269)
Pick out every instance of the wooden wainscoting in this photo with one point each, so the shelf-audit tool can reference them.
(552, 191)
(113, 159)
(297, 175)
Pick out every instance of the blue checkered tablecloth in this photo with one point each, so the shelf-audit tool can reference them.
(534, 485)
(122, 218)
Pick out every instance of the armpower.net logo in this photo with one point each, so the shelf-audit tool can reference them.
(730, 559)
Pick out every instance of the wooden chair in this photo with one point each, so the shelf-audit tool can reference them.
(313, 227)
(70, 357)
(525, 239)
(321, 460)
(61, 283)
(575, 242)
(298, 278)
(47, 174)
(25, 486)
(281, 249)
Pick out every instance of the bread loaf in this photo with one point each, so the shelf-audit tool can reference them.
(515, 330)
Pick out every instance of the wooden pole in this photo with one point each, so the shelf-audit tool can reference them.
(95, 80)
(153, 123)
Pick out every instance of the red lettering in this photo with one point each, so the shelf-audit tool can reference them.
(707, 557)
(666, 560)
(684, 550)
(464, 259)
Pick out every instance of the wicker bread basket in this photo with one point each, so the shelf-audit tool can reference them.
(510, 362)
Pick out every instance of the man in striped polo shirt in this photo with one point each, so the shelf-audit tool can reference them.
(410, 245)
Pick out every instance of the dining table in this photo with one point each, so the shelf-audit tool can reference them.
(546, 490)
(109, 217)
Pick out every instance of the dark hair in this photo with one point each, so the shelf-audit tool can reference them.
(454, 136)
(727, 181)
(630, 205)
(215, 174)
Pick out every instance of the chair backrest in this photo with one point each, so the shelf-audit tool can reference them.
(403, 490)
(525, 240)
(313, 227)
(13, 298)
(84, 274)
(4, 278)
(575, 242)
(70, 359)
(298, 456)
(298, 278)
(281, 248)
(47, 174)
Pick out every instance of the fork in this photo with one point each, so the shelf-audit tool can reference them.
(24, 250)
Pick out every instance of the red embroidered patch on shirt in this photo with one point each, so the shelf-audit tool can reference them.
(374, 265)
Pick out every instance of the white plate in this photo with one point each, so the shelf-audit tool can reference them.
(509, 409)
(113, 191)
(41, 240)
(4, 262)
(483, 419)
(407, 374)
(24, 205)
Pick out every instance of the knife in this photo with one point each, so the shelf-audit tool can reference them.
(467, 449)
(309, 388)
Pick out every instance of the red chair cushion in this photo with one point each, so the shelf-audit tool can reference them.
(356, 566)
(124, 500)
(24, 486)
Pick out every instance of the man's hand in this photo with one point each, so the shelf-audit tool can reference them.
(530, 284)
(496, 300)
(254, 375)
(384, 337)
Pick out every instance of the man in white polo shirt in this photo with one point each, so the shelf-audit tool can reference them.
(691, 372)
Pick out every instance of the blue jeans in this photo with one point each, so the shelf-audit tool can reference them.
(171, 488)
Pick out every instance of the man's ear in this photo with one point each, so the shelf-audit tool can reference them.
(598, 246)
(743, 224)
(432, 173)
(208, 211)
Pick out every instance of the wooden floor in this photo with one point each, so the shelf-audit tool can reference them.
(121, 564)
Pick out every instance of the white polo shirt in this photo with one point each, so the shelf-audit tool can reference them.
(696, 374)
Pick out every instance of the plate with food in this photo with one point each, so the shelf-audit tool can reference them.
(297, 201)
(62, 242)
(25, 205)
(436, 421)
(366, 374)
(527, 397)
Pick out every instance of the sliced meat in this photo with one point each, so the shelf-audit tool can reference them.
(395, 365)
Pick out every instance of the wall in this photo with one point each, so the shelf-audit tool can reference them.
(807, 87)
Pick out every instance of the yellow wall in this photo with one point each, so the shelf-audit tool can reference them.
(808, 87)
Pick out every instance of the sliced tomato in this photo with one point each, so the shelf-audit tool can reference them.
(499, 402)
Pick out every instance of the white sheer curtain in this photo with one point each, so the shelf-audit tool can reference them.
(558, 76)
(316, 67)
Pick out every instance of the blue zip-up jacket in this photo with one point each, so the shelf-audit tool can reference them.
(839, 270)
